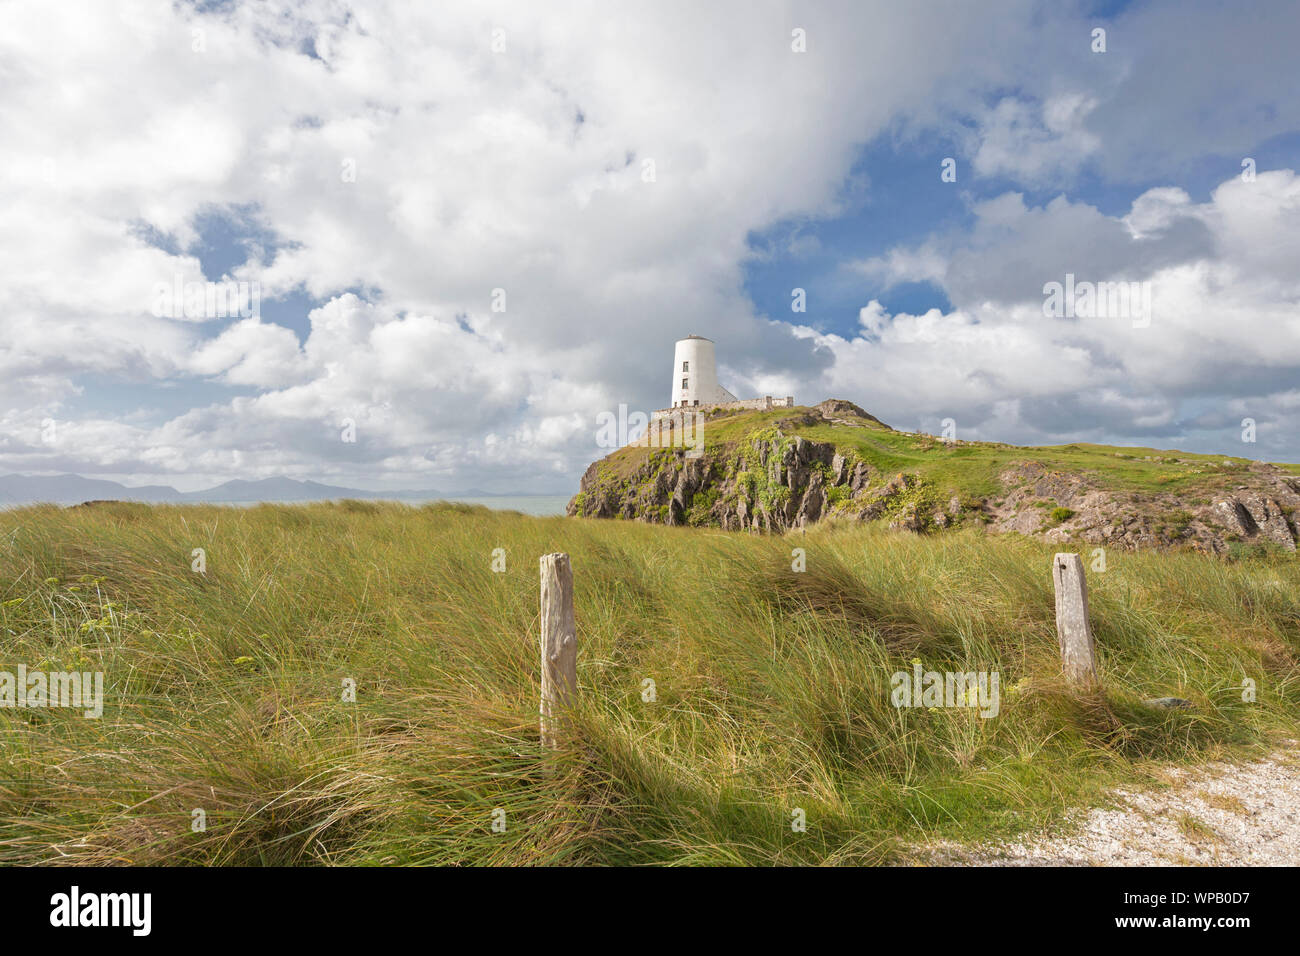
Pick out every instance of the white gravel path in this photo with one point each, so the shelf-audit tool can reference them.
(1218, 815)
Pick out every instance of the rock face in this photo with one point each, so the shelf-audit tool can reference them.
(1253, 515)
(773, 481)
(1256, 513)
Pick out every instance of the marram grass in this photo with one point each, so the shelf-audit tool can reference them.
(224, 690)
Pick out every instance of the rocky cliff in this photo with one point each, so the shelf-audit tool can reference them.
(770, 472)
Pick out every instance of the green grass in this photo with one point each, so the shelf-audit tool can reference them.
(224, 689)
(970, 469)
(1059, 514)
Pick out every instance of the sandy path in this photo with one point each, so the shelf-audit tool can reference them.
(1218, 815)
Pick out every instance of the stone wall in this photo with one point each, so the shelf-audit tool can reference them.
(764, 404)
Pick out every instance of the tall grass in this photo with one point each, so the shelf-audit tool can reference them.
(224, 690)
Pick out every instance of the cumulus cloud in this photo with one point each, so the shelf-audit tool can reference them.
(429, 159)
(1036, 142)
(503, 214)
(1224, 330)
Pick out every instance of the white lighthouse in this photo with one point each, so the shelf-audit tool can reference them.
(695, 374)
(695, 385)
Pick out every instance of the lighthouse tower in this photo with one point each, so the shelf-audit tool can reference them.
(695, 374)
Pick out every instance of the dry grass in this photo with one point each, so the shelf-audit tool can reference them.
(224, 690)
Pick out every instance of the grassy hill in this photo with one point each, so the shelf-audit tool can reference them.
(224, 689)
(781, 468)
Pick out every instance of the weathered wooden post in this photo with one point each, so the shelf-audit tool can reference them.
(1078, 653)
(559, 645)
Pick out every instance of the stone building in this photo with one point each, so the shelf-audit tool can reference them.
(695, 382)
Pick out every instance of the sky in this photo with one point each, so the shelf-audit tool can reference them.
(468, 230)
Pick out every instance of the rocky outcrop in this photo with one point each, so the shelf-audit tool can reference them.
(1255, 515)
(772, 482)
(775, 479)
(840, 412)
(1038, 498)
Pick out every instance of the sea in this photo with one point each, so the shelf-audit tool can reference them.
(538, 505)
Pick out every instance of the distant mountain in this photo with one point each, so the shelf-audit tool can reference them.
(278, 489)
(73, 489)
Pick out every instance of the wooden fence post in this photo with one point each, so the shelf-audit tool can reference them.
(1078, 652)
(559, 645)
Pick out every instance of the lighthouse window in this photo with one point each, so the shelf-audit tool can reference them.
(686, 366)
(684, 381)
